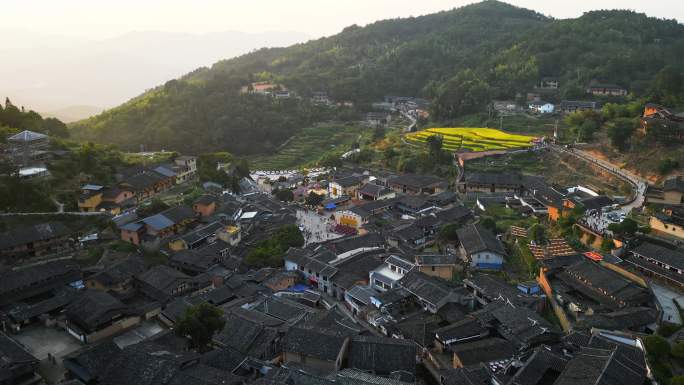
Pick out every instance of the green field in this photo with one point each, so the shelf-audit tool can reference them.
(312, 143)
(474, 139)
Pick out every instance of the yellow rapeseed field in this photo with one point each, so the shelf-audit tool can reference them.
(474, 139)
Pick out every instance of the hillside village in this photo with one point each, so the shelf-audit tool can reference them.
(355, 275)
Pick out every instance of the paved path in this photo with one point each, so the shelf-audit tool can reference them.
(413, 120)
(638, 183)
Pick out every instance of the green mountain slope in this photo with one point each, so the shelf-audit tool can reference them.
(459, 58)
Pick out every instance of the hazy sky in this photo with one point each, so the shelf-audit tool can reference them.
(57, 54)
(108, 18)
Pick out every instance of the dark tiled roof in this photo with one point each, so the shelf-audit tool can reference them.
(326, 347)
(58, 272)
(494, 178)
(578, 104)
(415, 180)
(373, 189)
(382, 355)
(400, 262)
(298, 255)
(600, 366)
(595, 203)
(603, 282)
(674, 258)
(206, 199)
(92, 308)
(542, 367)
(245, 335)
(674, 184)
(12, 357)
(435, 260)
(178, 214)
(430, 289)
(120, 271)
(35, 233)
(465, 330)
(474, 375)
(517, 324)
(143, 180)
(475, 239)
(486, 350)
(162, 277)
(91, 362)
(349, 181)
(454, 214)
(352, 243)
(226, 359)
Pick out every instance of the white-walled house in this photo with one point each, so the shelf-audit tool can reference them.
(542, 107)
(481, 248)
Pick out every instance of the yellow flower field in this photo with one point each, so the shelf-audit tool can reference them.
(474, 139)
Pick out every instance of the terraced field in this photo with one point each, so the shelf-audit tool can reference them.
(474, 139)
(310, 145)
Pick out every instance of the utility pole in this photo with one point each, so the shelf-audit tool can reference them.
(501, 122)
(555, 130)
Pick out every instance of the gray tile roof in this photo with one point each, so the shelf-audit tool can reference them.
(672, 257)
(326, 347)
(485, 350)
(475, 239)
(35, 233)
(382, 355)
(93, 308)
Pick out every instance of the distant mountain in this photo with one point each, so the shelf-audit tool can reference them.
(73, 113)
(460, 59)
(61, 71)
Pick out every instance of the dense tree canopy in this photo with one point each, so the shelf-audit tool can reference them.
(460, 59)
(270, 252)
(18, 119)
(199, 323)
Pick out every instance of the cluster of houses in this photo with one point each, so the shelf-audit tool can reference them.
(661, 123)
(136, 185)
(387, 300)
(543, 99)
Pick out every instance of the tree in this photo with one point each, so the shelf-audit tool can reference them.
(620, 131)
(607, 245)
(667, 165)
(538, 233)
(677, 380)
(448, 232)
(434, 143)
(627, 227)
(270, 252)
(378, 133)
(314, 199)
(584, 123)
(156, 206)
(489, 224)
(678, 350)
(199, 323)
(284, 195)
(657, 346)
(462, 94)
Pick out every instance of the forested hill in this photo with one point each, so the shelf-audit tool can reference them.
(460, 59)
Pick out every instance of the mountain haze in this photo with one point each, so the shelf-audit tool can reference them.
(64, 72)
(460, 59)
